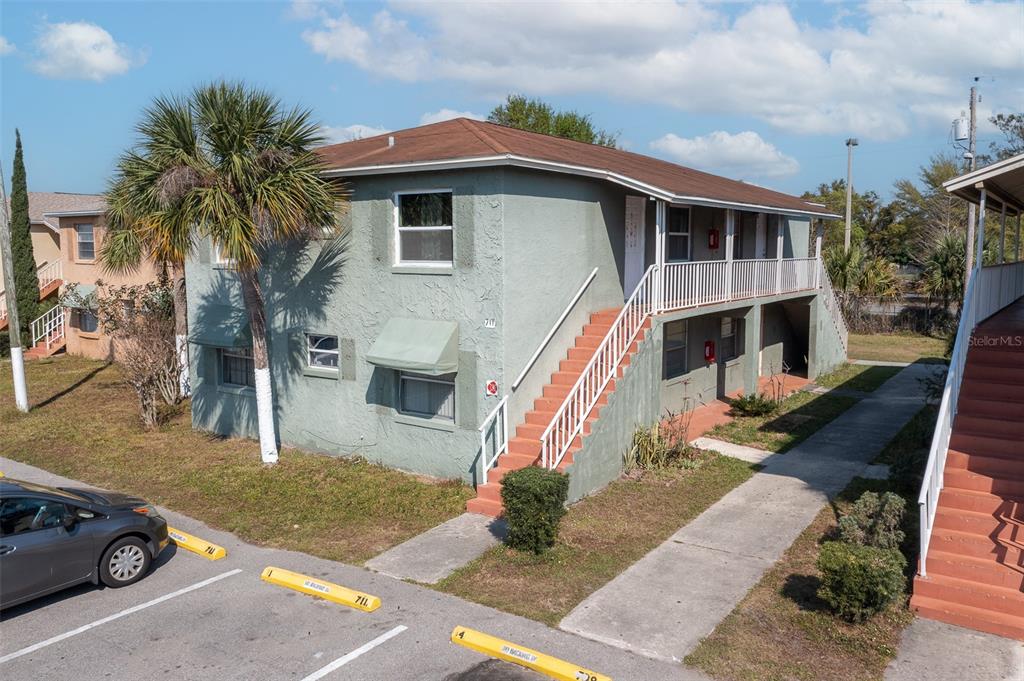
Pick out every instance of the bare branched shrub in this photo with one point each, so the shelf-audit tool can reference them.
(139, 320)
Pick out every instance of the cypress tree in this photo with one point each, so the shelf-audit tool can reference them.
(26, 281)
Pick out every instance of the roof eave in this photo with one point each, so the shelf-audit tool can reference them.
(74, 213)
(553, 166)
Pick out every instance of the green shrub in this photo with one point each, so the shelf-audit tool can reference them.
(534, 500)
(757, 404)
(650, 450)
(859, 581)
(874, 521)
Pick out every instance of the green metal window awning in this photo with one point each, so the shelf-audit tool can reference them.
(221, 326)
(424, 346)
(84, 298)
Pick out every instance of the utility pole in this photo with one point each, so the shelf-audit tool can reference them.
(850, 144)
(972, 163)
(13, 328)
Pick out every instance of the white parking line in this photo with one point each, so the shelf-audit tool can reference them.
(118, 615)
(342, 661)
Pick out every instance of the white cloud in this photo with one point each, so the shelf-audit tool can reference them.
(80, 50)
(351, 132)
(6, 46)
(877, 70)
(744, 155)
(447, 115)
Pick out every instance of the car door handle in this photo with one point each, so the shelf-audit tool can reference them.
(7, 548)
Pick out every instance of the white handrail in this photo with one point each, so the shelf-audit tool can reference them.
(3, 305)
(501, 445)
(49, 326)
(989, 290)
(835, 310)
(554, 328)
(49, 273)
(582, 398)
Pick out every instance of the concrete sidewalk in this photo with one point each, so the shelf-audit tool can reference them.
(663, 605)
(941, 652)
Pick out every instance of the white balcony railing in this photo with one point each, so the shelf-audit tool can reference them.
(3, 306)
(989, 290)
(49, 273)
(675, 286)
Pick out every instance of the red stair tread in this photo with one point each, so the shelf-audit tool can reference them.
(978, 619)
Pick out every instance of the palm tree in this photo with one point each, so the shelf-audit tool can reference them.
(231, 165)
(942, 271)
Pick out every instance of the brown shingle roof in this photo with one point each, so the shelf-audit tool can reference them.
(462, 138)
(41, 203)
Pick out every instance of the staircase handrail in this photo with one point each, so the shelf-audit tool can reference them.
(501, 433)
(583, 397)
(988, 291)
(832, 305)
(48, 326)
(49, 273)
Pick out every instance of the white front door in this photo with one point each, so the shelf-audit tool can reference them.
(636, 227)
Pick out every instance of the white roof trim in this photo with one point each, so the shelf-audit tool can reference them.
(553, 166)
(74, 213)
(46, 223)
(986, 173)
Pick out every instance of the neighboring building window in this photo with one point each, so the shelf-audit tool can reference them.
(728, 338)
(219, 258)
(84, 240)
(88, 322)
(424, 228)
(321, 351)
(678, 234)
(237, 368)
(429, 396)
(675, 348)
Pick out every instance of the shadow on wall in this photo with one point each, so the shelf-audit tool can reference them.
(298, 281)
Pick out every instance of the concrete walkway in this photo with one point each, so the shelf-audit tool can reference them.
(941, 652)
(663, 605)
(430, 557)
(741, 452)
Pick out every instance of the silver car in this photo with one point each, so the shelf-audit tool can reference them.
(53, 538)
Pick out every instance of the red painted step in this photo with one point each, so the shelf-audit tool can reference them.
(984, 444)
(991, 426)
(974, 406)
(963, 479)
(978, 570)
(978, 619)
(524, 448)
(1001, 549)
(995, 466)
(969, 594)
(1001, 525)
(992, 390)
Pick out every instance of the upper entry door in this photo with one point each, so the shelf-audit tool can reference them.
(636, 214)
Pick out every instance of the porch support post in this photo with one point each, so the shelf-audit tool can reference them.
(779, 241)
(751, 349)
(819, 234)
(730, 235)
(1002, 237)
(980, 248)
(661, 228)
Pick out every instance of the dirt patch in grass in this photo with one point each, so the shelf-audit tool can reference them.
(600, 537)
(800, 416)
(857, 377)
(84, 425)
(896, 347)
(782, 631)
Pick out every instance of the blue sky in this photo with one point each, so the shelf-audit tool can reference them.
(761, 92)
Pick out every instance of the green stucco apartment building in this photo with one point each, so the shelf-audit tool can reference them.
(502, 298)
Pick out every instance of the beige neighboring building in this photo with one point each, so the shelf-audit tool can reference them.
(67, 234)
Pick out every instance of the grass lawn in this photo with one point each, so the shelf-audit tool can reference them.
(781, 630)
(84, 425)
(913, 440)
(897, 347)
(800, 415)
(600, 537)
(857, 377)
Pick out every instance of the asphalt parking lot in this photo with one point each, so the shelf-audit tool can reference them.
(192, 618)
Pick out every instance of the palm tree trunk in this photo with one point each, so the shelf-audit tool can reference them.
(252, 295)
(181, 329)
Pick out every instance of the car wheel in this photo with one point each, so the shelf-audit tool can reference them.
(125, 562)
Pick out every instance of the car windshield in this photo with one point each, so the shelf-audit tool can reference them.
(43, 489)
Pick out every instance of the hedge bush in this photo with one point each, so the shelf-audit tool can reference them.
(757, 404)
(534, 500)
(874, 520)
(859, 581)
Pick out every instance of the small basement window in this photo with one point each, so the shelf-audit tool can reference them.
(237, 368)
(675, 348)
(321, 351)
(427, 396)
(423, 226)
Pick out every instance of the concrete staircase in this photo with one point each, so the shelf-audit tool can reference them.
(976, 556)
(41, 350)
(524, 449)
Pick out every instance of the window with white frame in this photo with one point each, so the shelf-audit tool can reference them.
(427, 396)
(88, 322)
(321, 351)
(729, 338)
(237, 368)
(219, 258)
(85, 244)
(678, 234)
(675, 348)
(423, 228)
